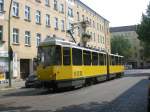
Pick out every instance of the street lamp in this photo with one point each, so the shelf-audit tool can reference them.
(9, 46)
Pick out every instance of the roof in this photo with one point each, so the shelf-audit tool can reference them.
(123, 28)
(61, 42)
(91, 10)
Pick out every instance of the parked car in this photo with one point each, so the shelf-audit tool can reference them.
(32, 81)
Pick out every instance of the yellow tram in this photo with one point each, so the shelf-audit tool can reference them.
(65, 64)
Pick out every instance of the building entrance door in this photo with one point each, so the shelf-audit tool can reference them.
(24, 68)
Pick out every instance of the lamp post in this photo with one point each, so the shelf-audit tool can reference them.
(9, 46)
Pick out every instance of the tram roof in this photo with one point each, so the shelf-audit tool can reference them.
(63, 43)
(56, 41)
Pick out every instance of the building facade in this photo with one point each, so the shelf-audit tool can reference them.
(34, 20)
(129, 32)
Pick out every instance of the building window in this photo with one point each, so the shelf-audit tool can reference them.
(47, 2)
(1, 33)
(56, 23)
(91, 35)
(93, 24)
(83, 18)
(15, 36)
(61, 8)
(55, 5)
(70, 25)
(78, 16)
(94, 36)
(38, 39)
(15, 9)
(87, 18)
(27, 13)
(90, 22)
(98, 39)
(101, 39)
(62, 25)
(70, 12)
(78, 28)
(38, 17)
(27, 38)
(1, 5)
(47, 20)
(97, 26)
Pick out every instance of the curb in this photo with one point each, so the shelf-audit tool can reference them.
(12, 88)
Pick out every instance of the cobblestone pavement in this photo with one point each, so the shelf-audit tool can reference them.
(127, 94)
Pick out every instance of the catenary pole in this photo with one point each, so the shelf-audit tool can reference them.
(9, 46)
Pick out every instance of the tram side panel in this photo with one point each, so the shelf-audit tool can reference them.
(116, 67)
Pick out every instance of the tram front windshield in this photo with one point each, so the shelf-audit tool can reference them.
(49, 55)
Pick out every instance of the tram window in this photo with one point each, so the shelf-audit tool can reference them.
(58, 58)
(87, 57)
(117, 60)
(66, 56)
(110, 60)
(94, 58)
(101, 59)
(113, 60)
(77, 56)
(104, 59)
(50, 55)
(120, 60)
(123, 61)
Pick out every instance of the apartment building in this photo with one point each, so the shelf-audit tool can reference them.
(129, 32)
(34, 20)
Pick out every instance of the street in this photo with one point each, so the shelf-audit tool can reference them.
(127, 94)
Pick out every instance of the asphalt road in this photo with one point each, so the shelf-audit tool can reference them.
(127, 94)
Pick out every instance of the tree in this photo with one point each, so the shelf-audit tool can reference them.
(122, 46)
(143, 31)
(146, 50)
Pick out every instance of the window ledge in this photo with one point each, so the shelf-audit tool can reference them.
(15, 43)
(47, 5)
(2, 41)
(27, 45)
(48, 26)
(39, 1)
(62, 12)
(62, 30)
(28, 20)
(17, 17)
(56, 28)
(2, 12)
(55, 9)
(38, 23)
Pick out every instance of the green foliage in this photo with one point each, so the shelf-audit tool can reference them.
(143, 31)
(146, 50)
(122, 46)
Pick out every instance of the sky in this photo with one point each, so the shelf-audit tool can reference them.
(119, 12)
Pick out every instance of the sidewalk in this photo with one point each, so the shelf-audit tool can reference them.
(15, 84)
